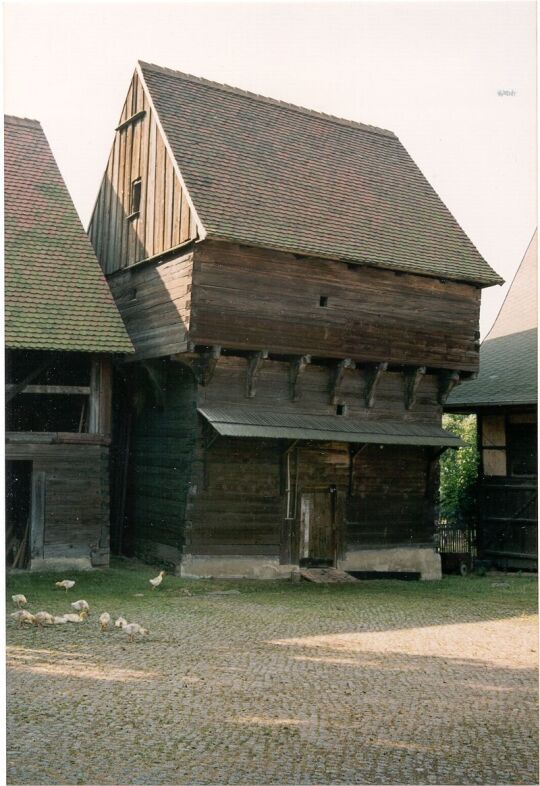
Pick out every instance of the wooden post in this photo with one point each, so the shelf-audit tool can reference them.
(255, 362)
(105, 397)
(413, 377)
(206, 364)
(37, 516)
(93, 402)
(296, 369)
(373, 374)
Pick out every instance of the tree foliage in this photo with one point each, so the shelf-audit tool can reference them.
(459, 472)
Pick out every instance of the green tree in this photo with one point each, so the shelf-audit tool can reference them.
(459, 472)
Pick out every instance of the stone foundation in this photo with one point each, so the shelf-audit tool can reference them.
(235, 567)
(425, 561)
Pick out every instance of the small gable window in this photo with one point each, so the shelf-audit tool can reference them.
(341, 409)
(135, 201)
(323, 301)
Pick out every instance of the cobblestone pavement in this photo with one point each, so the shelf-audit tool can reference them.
(282, 685)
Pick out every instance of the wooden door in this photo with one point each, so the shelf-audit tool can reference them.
(317, 528)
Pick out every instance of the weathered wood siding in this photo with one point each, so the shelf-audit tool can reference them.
(254, 298)
(228, 386)
(236, 505)
(162, 450)
(76, 498)
(391, 501)
(164, 219)
(154, 301)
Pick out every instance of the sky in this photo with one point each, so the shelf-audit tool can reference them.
(456, 81)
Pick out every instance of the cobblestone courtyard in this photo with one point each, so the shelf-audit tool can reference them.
(380, 682)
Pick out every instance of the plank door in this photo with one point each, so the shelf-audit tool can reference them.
(317, 529)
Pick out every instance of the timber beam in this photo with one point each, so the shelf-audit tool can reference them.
(339, 371)
(19, 388)
(255, 361)
(296, 369)
(205, 365)
(373, 373)
(447, 382)
(413, 377)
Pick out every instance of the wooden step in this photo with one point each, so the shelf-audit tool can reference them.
(327, 576)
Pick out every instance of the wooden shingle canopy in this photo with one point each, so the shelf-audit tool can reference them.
(56, 297)
(508, 355)
(264, 173)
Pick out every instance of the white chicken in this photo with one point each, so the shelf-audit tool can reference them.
(65, 584)
(72, 618)
(120, 622)
(157, 581)
(21, 617)
(82, 607)
(104, 620)
(43, 618)
(19, 600)
(132, 628)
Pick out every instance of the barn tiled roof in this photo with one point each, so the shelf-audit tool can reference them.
(56, 297)
(508, 355)
(265, 173)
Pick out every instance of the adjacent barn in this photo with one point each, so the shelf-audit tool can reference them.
(62, 330)
(301, 303)
(504, 398)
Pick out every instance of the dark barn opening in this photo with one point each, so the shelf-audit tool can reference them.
(18, 512)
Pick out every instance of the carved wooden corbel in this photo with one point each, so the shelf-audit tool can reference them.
(447, 382)
(338, 376)
(255, 361)
(373, 373)
(413, 377)
(297, 368)
(205, 365)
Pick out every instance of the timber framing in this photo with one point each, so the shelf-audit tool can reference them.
(337, 378)
(254, 366)
(413, 378)
(447, 382)
(297, 368)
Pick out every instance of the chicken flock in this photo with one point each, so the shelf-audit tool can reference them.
(81, 613)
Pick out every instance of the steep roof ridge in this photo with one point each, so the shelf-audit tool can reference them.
(22, 121)
(272, 101)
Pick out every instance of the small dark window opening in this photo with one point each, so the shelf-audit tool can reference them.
(135, 205)
(323, 301)
(341, 409)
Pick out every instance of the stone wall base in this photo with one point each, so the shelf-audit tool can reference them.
(61, 564)
(425, 561)
(234, 567)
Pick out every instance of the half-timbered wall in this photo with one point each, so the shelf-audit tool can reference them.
(120, 234)
(255, 298)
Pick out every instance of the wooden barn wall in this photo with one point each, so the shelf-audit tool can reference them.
(76, 495)
(228, 386)
(254, 298)
(392, 498)
(236, 506)
(165, 219)
(160, 464)
(154, 301)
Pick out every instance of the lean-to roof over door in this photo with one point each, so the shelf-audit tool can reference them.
(265, 173)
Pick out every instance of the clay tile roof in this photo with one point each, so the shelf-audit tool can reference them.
(265, 173)
(56, 297)
(508, 355)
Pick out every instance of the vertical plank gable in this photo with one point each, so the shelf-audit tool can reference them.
(165, 219)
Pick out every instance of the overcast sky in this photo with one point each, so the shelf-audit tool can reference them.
(430, 72)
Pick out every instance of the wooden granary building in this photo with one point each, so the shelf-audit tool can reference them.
(301, 303)
(62, 330)
(504, 398)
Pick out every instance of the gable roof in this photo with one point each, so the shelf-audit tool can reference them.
(265, 173)
(508, 355)
(56, 297)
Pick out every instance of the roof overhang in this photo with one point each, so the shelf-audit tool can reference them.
(235, 421)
